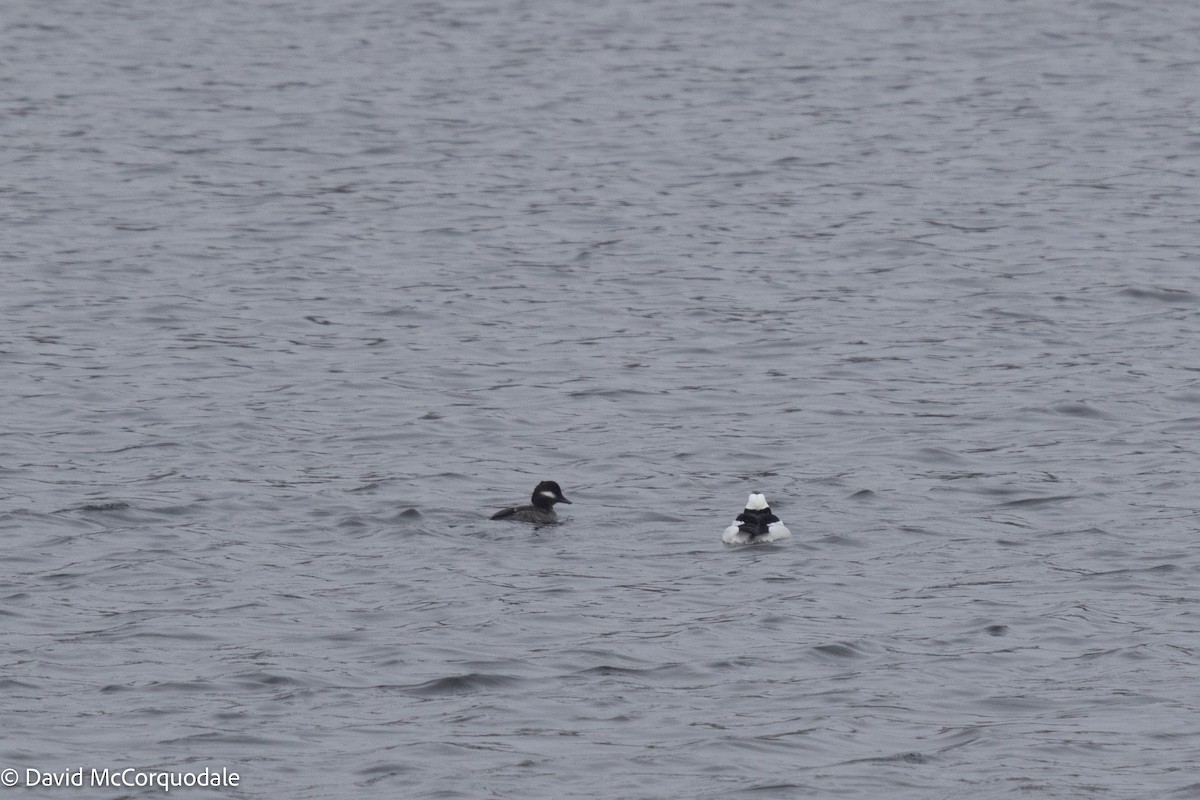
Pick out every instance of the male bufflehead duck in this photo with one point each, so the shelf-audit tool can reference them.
(755, 524)
(545, 495)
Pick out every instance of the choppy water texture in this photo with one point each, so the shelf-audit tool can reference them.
(296, 294)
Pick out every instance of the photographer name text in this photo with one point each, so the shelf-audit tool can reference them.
(128, 778)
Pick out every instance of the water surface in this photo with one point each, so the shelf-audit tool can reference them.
(297, 295)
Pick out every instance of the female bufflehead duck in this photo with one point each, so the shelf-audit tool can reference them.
(545, 495)
(755, 524)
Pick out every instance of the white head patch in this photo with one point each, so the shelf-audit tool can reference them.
(548, 493)
(757, 502)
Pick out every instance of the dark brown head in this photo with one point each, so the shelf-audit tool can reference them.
(547, 493)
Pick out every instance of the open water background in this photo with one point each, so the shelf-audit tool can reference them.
(296, 294)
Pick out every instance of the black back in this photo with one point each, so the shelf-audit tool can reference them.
(756, 523)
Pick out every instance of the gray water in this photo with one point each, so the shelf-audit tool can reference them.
(296, 294)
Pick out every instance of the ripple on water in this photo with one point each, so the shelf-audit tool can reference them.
(462, 684)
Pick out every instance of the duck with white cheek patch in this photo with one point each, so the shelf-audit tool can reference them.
(756, 524)
(541, 512)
